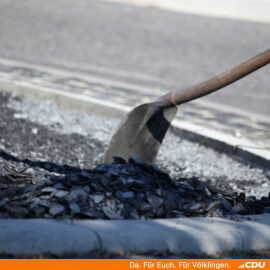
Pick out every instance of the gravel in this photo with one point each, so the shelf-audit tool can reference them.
(50, 166)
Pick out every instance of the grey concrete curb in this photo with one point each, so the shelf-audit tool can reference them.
(28, 237)
(198, 236)
(69, 101)
(65, 100)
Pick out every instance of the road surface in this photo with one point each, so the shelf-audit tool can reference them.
(144, 45)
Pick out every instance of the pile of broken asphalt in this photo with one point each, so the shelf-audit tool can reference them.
(121, 190)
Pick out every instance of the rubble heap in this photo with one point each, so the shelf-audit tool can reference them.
(121, 190)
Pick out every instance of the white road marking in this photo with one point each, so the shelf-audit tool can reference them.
(250, 10)
(88, 77)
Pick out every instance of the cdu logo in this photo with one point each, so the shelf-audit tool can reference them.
(252, 265)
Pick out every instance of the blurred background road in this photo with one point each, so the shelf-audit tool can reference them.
(157, 44)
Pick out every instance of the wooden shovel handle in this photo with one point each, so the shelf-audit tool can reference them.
(219, 81)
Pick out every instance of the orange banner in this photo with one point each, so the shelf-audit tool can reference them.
(119, 264)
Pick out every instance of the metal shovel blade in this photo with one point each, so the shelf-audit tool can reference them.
(141, 132)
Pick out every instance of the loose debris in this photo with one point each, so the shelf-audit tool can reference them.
(122, 190)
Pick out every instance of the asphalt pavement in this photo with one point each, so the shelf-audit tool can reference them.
(148, 46)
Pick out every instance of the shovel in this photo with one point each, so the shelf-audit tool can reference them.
(141, 131)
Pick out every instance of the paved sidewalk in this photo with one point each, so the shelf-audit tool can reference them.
(239, 129)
